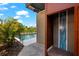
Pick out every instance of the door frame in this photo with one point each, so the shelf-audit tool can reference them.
(76, 39)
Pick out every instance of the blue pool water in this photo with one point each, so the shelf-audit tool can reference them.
(27, 39)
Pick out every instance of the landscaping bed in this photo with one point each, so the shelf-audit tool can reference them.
(11, 51)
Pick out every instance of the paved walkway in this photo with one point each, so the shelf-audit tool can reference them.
(34, 49)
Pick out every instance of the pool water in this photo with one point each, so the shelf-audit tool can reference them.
(27, 39)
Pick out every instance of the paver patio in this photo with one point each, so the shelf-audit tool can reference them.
(34, 49)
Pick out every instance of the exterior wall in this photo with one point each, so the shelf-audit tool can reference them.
(55, 7)
(41, 27)
(52, 8)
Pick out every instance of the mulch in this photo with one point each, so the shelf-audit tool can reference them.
(11, 51)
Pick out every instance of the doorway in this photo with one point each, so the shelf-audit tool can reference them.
(62, 30)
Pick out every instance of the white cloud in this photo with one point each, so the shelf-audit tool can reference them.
(16, 17)
(1, 14)
(27, 16)
(23, 12)
(4, 8)
(3, 3)
(13, 6)
(21, 21)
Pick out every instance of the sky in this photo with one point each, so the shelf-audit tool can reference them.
(18, 11)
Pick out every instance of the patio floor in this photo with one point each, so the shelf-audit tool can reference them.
(58, 52)
(34, 49)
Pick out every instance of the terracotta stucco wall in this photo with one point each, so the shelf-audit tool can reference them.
(41, 27)
(55, 7)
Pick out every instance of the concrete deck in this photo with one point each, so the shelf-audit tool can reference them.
(34, 49)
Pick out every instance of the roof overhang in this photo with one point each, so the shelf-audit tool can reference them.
(36, 7)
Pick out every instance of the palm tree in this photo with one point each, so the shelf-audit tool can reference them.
(9, 29)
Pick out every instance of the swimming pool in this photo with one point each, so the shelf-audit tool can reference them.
(27, 39)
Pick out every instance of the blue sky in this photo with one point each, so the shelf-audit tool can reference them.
(18, 11)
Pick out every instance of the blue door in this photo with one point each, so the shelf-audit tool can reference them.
(63, 30)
